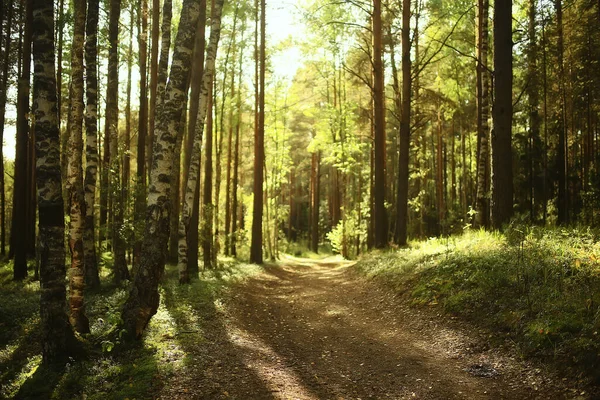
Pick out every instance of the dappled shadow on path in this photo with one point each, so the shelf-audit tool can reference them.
(335, 339)
(213, 367)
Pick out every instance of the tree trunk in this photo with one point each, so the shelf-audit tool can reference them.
(76, 204)
(534, 117)
(3, 97)
(161, 82)
(483, 169)
(256, 251)
(561, 153)
(404, 157)
(501, 139)
(112, 133)
(154, 75)
(92, 279)
(143, 299)
(236, 157)
(381, 240)
(207, 207)
(20, 199)
(141, 173)
(56, 331)
(195, 83)
(194, 168)
(314, 201)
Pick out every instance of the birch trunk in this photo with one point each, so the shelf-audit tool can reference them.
(194, 168)
(75, 198)
(56, 331)
(161, 82)
(143, 299)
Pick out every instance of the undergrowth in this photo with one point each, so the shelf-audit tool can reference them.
(110, 369)
(539, 287)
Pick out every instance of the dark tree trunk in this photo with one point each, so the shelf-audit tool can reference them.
(3, 97)
(380, 217)
(502, 113)
(404, 157)
(256, 251)
(19, 230)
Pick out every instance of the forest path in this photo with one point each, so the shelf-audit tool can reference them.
(309, 329)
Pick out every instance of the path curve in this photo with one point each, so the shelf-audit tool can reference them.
(309, 329)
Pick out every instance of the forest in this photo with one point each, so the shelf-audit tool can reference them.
(301, 199)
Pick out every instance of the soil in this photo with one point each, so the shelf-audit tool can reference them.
(309, 329)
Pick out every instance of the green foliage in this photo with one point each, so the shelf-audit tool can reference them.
(541, 287)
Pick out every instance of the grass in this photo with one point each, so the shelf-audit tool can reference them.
(538, 287)
(110, 369)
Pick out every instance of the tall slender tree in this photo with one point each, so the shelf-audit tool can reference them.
(502, 177)
(56, 331)
(483, 112)
(256, 249)
(21, 181)
(3, 97)
(75, 197)
(381, 228)
(143, 298)
(92, 278)
(194, 168)
(404, 157)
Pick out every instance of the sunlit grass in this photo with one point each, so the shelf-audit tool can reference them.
(111, 369)
(541, 287)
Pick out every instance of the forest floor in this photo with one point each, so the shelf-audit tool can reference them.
(313, 329)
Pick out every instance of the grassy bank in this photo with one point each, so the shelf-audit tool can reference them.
(541, 288)
(109, 369)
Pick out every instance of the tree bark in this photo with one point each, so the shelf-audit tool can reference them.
(381, 228)
(92, 279)
(503, 113)
(76, 204)
(120, 271)
(194, 168)
(561, 153)
(314, 200)
(21, 181)
(161, 81)
(195, 83)
(404, 157)
(483, 134)
(256, 251)
(3, 97)
(143, 299)
(56, 331)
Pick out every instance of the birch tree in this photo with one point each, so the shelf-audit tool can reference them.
(75, 198)
(56, 331)
(194, 168)
(143, 299)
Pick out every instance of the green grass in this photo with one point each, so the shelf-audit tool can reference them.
(110, 369)
(539, 287)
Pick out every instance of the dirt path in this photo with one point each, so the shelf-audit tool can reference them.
(309, 330)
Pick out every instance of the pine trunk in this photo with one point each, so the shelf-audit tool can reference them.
(21, 181)
(483, 108)
(256, 251)
(404, 157)
(502, 185)
(3, 98)
(381, 228)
